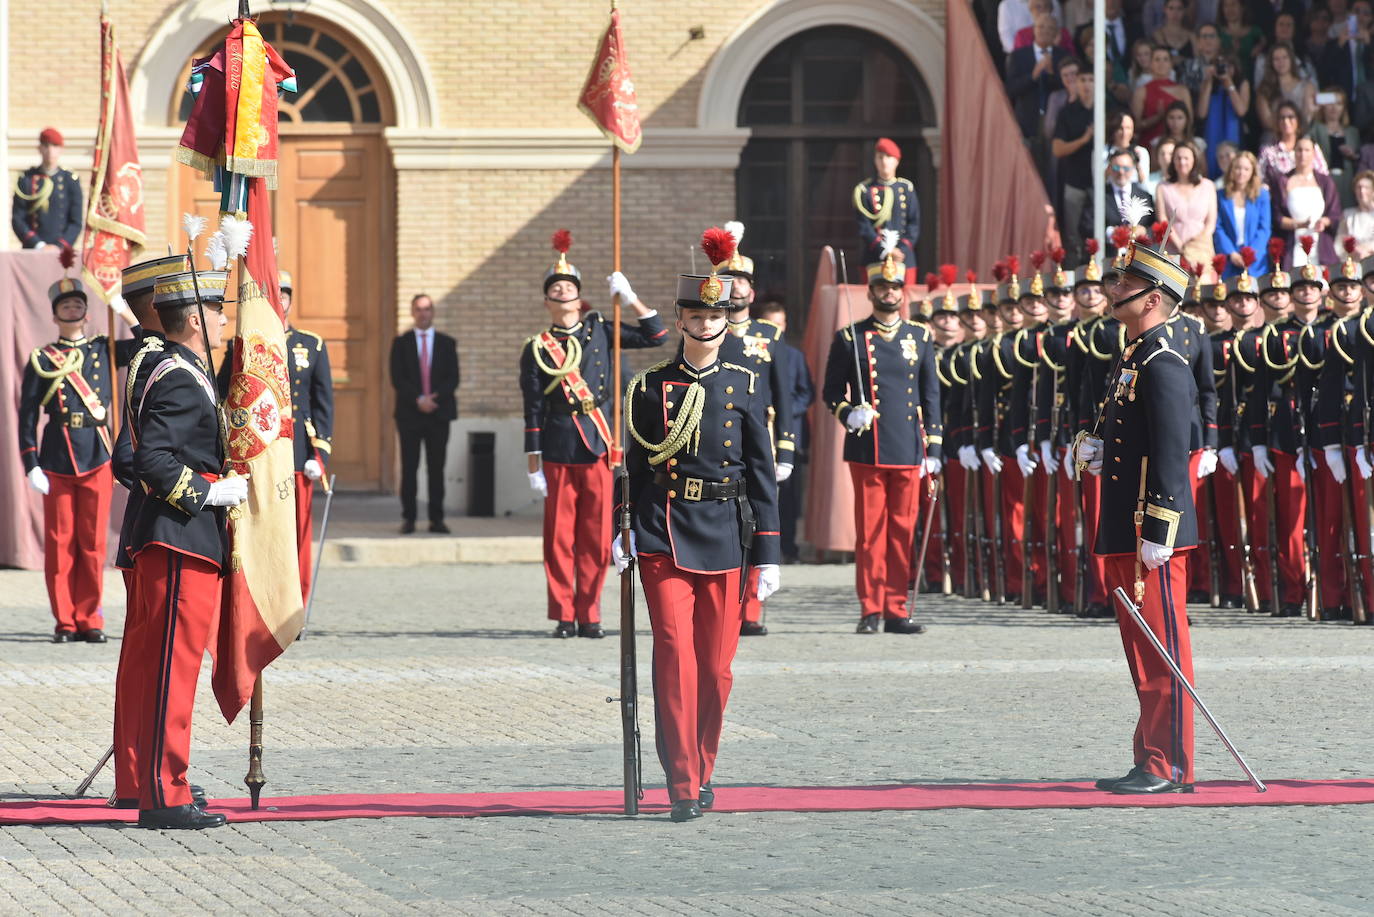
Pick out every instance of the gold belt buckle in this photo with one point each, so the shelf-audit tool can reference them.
(588, 405)
(76, 419)
(693, 489)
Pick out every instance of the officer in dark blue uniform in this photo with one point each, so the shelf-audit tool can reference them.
(891, 413)
(47, 199)
(70, 381)
(754, 344)
(312, 410)
(180, 541)
(566, 379)
(1141, 450)
(888, 202)
(704, 504)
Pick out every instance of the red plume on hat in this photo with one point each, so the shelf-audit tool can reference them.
(1195, 268)
(1218, 264)
(562, 241)
(948, 274)
(1121, 236)
(1013, 265)
(1307, 242)
(1037, 259)
(1058, 254)
(932, 280)
(1277, 246)
(1158, 229)
(66, 255)
(971, 276)
(1349, 244)
(1247, 254)
(999, 271)
(1326, 273)
(1090, 246)
(718, 244)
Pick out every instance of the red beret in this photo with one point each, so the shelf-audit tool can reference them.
(888, 148)
(51, 135)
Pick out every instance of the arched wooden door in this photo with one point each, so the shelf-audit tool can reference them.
(814, 107)
(335, 216)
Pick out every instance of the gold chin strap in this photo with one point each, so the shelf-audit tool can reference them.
(680, 430)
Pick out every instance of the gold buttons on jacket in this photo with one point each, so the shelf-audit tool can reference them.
(727, 444)
(672, 494)
(672, 475)
(729, 423)
(729, 389)
(729, 405)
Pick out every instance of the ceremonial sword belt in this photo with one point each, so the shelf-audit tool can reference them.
(696, 489)
(561, 405)
(76, 419)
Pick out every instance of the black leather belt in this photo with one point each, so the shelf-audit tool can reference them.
(563, 406)
(77, 419)
(695, 489)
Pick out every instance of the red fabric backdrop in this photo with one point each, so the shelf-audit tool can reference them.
(26, 323)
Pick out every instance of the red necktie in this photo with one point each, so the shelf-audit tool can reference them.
(424, 364)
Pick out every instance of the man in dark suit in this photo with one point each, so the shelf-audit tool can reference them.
(424, 372)
(1032, 75)
(1121, 167)
(802, 391)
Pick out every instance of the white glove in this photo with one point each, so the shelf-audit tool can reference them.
(770, 580)
(1047, 456)
(621, 284)
(538, 484)
(121, 308)
(1089, 452)
(312, 470)
(38, 245)
(622, 560)
(1302, 464)
(227, 491)
(968, 457)
(38, 480)
(782, 471)
(1153, 555)
(1024, 460)
(932, 465)
(992, 460)
(1227, 457)
(860, 416)
(1206, 463)
(1263, 467)
(1336, 463)
(1362, 463)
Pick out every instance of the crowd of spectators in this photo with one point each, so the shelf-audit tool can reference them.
(1237, 120)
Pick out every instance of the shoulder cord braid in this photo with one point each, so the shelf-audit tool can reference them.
(38, 200)
(70, 365)
(1308, 332)
(680, 430)
(997, 356)
(1287, 364)
(884, 212)
(1092, 344)
(1336, 340)
(1016, 349)
(940, 373)
(571, 362)
(954, 368)
(975, 353)
(1236, 351)
(1364, 319)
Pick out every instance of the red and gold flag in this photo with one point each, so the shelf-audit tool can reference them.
(608, 96)
(114, 231)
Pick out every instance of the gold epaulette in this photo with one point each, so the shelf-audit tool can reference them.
(749, 372)
(319, 341)
(847, 333)
(777, 332)
(1163, 348)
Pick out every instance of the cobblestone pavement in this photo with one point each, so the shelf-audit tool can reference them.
(443, 679)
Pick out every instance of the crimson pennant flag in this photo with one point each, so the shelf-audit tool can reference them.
(114, 231)
(608, 96)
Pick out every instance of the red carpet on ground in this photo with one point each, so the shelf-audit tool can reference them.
(896, 797)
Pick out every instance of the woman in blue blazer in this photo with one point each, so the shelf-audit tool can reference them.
(1244, 216)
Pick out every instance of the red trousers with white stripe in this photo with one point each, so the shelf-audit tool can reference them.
(128, 700)
(76, 515)
(180, 595)
(1164, 733)
(695, 619)
(885, 502)
(577, 539)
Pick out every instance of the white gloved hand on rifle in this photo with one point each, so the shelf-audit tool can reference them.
(1363, 464)
(968, 457)
(1047, 456)
(1088, 452)
(1228, 460)
(992, 460)
(1301, 460)
(1154, 555)
(1335, 461)
(859, 417)
(1263, 467)
(770, 580)
(227, 491)
(932, 465)
(1206, 463)
(620, 284)
(1024, 460)
(622, 560)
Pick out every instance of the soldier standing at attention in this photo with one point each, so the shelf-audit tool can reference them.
(754, 344)
(47, 199)
(71, 381)
(312, 408)
(891, 411)
(565, 377)
(1141, 449)
(888, 202)
(704, 504)
(180, 542)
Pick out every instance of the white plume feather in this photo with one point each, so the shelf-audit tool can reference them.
(890, 238)
(736, 229)
(236, 234)
(193, 224)
(1134, 210)
(216, 252)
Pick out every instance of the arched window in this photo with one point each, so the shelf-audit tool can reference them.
(815, 105)
(333, 83)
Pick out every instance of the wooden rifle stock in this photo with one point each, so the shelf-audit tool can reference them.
(1080, 580)
(1249, 589)
(629, 675)
(1028, 508)
(1350, 544)
(973, 545)
(995, 541)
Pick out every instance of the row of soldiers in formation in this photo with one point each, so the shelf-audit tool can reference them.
(169, 452)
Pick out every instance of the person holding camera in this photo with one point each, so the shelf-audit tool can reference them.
(1223, 96)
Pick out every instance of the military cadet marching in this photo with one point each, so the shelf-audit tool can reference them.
(312, 411)
(703, 500)
(47, 199)
(180, 540)
(881, 384)
(71, 382)
(1028, 348)
(752, 344)
(566, 375)
(887, 202)
(1140, 447)
(946, 558)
